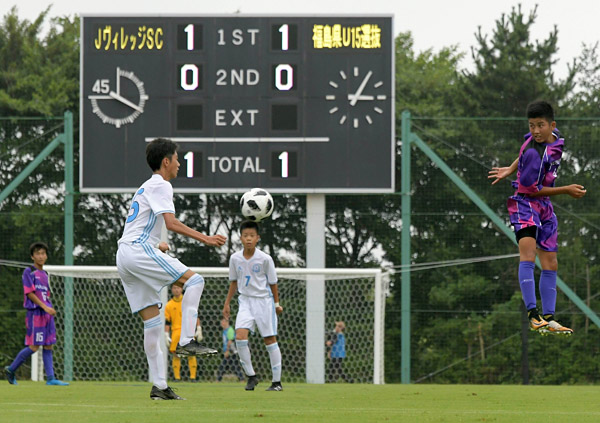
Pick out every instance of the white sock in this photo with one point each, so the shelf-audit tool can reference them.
(275, 357)
(189, 308)
(244, 353)
(153, 329)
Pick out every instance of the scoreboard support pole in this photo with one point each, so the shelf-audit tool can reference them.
(315, 289)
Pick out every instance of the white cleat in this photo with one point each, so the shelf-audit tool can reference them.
(555, 328)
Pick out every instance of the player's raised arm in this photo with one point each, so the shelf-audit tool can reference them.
(174, 225)
(574, 190)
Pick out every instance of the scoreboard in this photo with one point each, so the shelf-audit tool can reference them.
(296, 104)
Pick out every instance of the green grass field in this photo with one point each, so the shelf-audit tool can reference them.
(91, 402)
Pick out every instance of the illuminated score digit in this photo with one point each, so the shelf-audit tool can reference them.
(189, 37)
(189, 30)
(189, 70)
(284, 29)
(189, 158)
(284, 158)
(280, 71)
(192, 160)
(284, 37)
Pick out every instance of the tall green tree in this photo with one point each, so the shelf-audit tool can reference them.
(511, 70)
(39, 75)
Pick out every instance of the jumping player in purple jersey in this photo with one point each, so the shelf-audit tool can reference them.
(532, 215)
(40, 317)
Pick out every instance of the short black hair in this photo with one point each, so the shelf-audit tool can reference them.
(157, 150)
(540, 109)
(37, 246)
(249, 224)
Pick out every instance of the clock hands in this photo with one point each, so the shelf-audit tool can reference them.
(125, 101)
(103, 99)
(361, 97)
(355, 97)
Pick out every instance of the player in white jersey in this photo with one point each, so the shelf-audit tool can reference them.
(145, 269)
(252, 274)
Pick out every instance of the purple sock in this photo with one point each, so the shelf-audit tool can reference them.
(23, 355)
(548, 291)
(527, 283)
(48, 364)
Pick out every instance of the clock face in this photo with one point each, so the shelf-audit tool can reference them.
(361, 103)
(119, 103)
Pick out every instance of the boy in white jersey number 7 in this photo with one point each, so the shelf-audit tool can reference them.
(252, 274)
(145, 270)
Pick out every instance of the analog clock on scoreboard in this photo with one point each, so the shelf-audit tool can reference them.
(288, 103)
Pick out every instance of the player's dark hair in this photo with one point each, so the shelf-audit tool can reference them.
(248, 224)
(157, 150)
(37, 246)
(540, 109)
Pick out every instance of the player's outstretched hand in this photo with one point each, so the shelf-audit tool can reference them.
(215, 240)
(278, 310)
(498, 173)
(576, 191)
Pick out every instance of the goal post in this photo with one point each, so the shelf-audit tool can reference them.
(107, 339)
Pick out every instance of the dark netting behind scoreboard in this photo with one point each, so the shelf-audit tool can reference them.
(466, 315)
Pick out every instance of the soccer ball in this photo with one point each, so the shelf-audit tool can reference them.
(256, 204)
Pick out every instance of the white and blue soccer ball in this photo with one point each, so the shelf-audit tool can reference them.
(256, 204)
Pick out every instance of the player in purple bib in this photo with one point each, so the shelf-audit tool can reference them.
(532, 215)
(39, 320)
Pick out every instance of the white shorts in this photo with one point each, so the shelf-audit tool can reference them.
(257, 312)
(144, 271)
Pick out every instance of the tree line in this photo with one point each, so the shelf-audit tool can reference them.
(467, 319)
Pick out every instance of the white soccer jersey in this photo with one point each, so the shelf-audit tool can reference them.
(145, 221)
(253, 276)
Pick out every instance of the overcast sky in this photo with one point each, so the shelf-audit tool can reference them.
(434, 24)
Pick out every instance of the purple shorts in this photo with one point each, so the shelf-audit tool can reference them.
(525, 211)
(40, 328)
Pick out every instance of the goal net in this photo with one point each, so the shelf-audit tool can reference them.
(99, 339)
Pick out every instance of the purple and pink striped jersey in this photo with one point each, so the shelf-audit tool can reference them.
(538, 168)
(538, 164)
(36, 281)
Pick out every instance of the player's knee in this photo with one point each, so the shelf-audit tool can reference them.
(550, 264)
(185, 277)
(191, 279)
(241, 335)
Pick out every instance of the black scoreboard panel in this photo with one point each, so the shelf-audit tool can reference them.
(291, 104)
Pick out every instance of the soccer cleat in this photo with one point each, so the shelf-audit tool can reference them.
(10, 376)
(163, 394)
(56, 382)
(252, 382)
(537, 322)
(555, 328)
(275, 386)
(194, 348)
